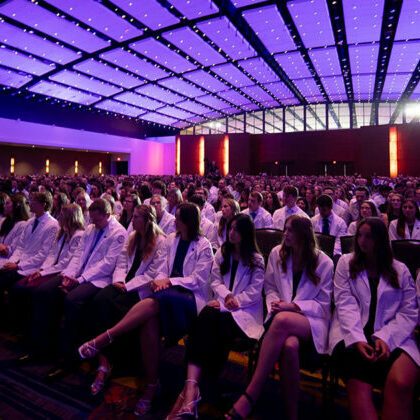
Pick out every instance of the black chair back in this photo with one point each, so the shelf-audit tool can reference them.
(347, 244)
(267, 239)
(326, 243)
(408, 252)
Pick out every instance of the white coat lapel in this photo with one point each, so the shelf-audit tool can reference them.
(239, 278)
(172, 253)
(288, 286)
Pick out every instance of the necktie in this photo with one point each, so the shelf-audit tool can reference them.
(253, 214)
(98, 236)
(34, 226)
(135, 266)
(325, 226)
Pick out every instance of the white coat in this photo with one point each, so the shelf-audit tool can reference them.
(71, 249)
(101, 263)
(11, 240)
(33, 247)
(338, 228)
(146, 271)
(415, 234)
(209, 212)
(220, 239)
(196, 269)
(209, 231)
(247, 290)
(313, 300)
(280, 215)
(396, 310)
(352, 228)
(263, 218)
(167, 223)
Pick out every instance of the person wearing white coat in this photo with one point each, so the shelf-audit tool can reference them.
(236, 310)
(298, 287)
(407, 223)
(230, 208)
(165, 220)
(262, 218)
(180, 291)
(372, 332)
(280, 216)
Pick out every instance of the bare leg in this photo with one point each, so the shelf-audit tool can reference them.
(104, 370)
(399, 389)
(360, 400)
(289, 376)
(284, 324)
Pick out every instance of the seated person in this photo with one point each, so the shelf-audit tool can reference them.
(164, 219)
(407, 226)
(208, 228)
(230, 208)
(261, 217)
(290, 195)
(367, 209)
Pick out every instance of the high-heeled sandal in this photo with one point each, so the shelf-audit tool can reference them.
(173, 415)
(144, 405)
(189, 409)
(234, 415)
(88, 350)
(98, 385)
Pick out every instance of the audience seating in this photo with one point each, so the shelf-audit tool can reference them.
(326, 243)
(408, 252)
(347, 244)
(267, 239)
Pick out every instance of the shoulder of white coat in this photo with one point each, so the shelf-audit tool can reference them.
(324, 260)
(401, 268)
(274, 253)
(203, 242)
(258, 260)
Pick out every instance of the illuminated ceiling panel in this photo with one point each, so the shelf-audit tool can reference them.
(118, 107)
(312, 21)
(22, 62)
(163, 55)
(105, 72)
(95, 15)
(257, 93)
(41, 19)
(182, 87)
(325, 61)
(34, 44)
(65, 93)
(213, 101)
(293, 65)
(404, 57)
(159, 93)
(195, 9)
(138, 100)
(141, 67)
(416, 93)
(243, 3)
(363, 20)
(259, 69)
(181, 124)
(193, 107)
(250, 107)
(206, 81)
(307, 87)
(280, 90)
(234, 97)
(232, 111)
(334, 86)
(196, 120)
(363, 58)
(224, 34)
(175, 112)
(363, 85)
(232, 74)
(193, 45)
(268, 24)
(409, 21)
(81, 81)
(158, 118)
(13, 79)
(394, 85)
(214, 114)
(149, 12)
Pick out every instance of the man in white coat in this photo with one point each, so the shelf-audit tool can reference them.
(262, 218)
(207, 227)
(165, 220)
(208, 209)
(290, 196)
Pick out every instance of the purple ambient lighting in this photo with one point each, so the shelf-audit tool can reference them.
(119, 108)
(270, 104)
(158, 118)
(163, 55)
(394, 86)
(363, 20)
(334, 86)
(195, 9)
(13, 79)
(325, 61)
(259, 69)
(258, 94)
(213, 101)
(98, 17)
(22, 62)
(234, 97)
(33, 44)
(243, 3)
(41, 19)
(64, 93)
(268, 24)
(312, 21)
(213, 114)
(280, 90)
(175, 112)
(293, 65)
(409, 21)
(363, 86)
(307, 87)
(232, 74)
(404, 57)
(196, 120)
(363, 58)
(159, 93)
(193, 107)
(80, 81)
(206, 81)
(149, 12)
(193, 45)
(222, 32)
(182, 87)
(416, 93)
(180, 124)
(109, 73)
(250, 107)
(130, 62)
(231, 111)
(138, 100)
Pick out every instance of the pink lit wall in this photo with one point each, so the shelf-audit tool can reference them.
(146, 157)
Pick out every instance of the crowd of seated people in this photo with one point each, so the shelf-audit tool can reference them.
(89, 264)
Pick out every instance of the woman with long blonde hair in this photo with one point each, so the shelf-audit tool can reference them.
(230, 208)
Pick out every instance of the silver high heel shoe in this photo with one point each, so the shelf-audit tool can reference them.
(189, 409)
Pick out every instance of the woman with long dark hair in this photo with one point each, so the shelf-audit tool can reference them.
(372, 329)
(298, 287)
(393, 209)
(179, 293)
(131, 201)
(407, 226)
(236, 310)
(367, 209)
(271, 202)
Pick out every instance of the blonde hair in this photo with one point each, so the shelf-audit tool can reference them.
(233, 204)
(71, 219)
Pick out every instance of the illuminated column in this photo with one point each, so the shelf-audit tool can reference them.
(178, 156)
(201, 156)
(393, 152)
(12, 165)
(226, 155)
(47, 166)
(100, 168)
(76, 167)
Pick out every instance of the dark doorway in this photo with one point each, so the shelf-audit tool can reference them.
(121, 168)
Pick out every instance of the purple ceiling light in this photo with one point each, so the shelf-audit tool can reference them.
(232, 74)
(404, 57)
(231, 111)
(409, 21)
(65, 93)
(13, 79)
(293, 65)
(363, 58)
(158, 118)
(334, 86)
(213, 114)
(181, 86)
(308, 87)
(175, 112)
(195, 9)
(268, 24)
(22, 62)
(159, 93)
(206, 81)
(41, 19)
(280, 90)
(363, 86)
(259, 69)
(363, 20)
(213, 101)
(196, 120)
(234, 97)
(325, 61)
(138, 100)
(243, 3)
(119, 108)
(193, 107)
(250, 107)
(257, 93)
(416, 93)
(394, 86)
(222, 32)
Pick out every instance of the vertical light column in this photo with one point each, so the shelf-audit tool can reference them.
(76, 167)
(12, 165)
(100, 168)
(178, 156)
(393, 152)
(226, 155)
(201, 156)
(47, 166)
